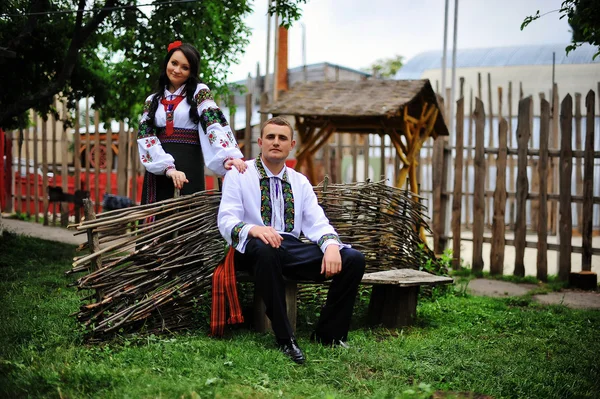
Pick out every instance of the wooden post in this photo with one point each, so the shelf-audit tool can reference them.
(553, 172)
(76, 155)
(262, 323)
(13, 151)
(354, 157)
(578, 161)
(468, 196)
(133, 165)
(392, 306)
(264, 101)
(77, 160)
(64, 169)
(588, 185)
(327, 158)
(44, 170)
(93, 241)
(511, 161)
(109, 160)
(122, 161)
(382, 163)
(88, 145)
(447, 115)
(248, 130)
(498, 224)
(523, 134)
(535, 188)
(366, 156)
(36, 178)
(535, 178)
(7, 189)
(439, 183)
(53, 165)
(542, 224)
(566, 168)
(27, 142)
(18, 181)
(339, 158)
(479, 187)
(458, 171)
(97, 163)
(520, 91)
(232, 114)
(479, 94)
(490, 157)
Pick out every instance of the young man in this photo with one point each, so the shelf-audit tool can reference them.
(262, 214)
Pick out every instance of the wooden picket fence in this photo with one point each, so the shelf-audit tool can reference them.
(81, 158)
(547, 204)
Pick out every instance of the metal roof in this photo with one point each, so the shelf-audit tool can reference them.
(498, 57)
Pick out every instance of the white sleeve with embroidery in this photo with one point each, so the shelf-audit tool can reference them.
(216, 138)
(152, 155)
(231, 210)
(315, 225)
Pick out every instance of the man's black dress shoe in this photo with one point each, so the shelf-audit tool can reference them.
(333, 342)
(290, 348)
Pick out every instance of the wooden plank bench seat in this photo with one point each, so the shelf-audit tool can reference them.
(393, 301)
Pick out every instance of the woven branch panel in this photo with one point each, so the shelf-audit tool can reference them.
(156, 260)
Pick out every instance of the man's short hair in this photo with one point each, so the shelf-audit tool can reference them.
(279, 121)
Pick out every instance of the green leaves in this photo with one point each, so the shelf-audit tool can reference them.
(386, 67)
(529, 19)
(287, 10)
(584, 19)
(118, 64)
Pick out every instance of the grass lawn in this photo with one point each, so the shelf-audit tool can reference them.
(461, 345)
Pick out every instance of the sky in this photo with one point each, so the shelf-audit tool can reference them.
(356, 33)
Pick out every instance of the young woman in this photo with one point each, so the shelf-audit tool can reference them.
(182, 129)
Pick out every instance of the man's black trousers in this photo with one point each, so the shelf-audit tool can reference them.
(297, 260)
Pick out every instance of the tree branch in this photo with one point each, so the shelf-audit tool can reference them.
(80, 35)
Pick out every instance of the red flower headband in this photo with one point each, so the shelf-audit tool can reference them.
(175, 44)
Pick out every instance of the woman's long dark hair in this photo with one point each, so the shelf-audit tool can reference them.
(193, 57)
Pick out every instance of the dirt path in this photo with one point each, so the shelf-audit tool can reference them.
(38, 230)
(575, 299)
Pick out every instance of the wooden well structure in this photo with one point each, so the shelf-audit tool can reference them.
(406, 110)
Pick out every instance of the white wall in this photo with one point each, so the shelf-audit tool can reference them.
(535, 79)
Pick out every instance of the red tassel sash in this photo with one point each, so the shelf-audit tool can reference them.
(223, 284)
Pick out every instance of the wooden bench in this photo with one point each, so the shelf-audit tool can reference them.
(393, 301)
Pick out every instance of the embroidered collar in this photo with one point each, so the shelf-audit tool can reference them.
(266, 207)
(178, 92)
(265, 173)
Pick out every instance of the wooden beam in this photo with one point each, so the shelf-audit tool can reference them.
(304, 136)
(523, 134)
(457, 197)
(311, 141)
(308, 153)
(44, 170)
(542, 225)
(588, 185)
(498, 225)
(398, 146)
(479, 185)
(566, 167)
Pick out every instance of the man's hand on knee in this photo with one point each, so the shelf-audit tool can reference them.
(266, 234)
(332, 261)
